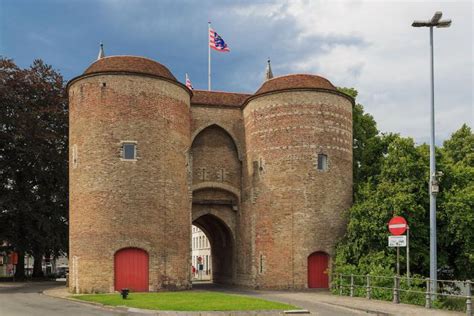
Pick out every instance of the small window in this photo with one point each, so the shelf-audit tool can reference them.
(129, 151)
(74, 156)
(322, 162)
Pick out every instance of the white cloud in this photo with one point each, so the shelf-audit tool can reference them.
(368, 45)
(389, 61)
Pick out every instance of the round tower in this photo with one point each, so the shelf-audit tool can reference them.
(129, 132)
(299, 152)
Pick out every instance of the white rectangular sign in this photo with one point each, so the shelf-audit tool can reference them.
(397, 241)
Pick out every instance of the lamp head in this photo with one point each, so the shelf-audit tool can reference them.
(444, 23)
(420, 23)
(436, 17)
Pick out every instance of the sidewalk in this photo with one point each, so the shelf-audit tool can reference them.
(354, 303)
(59, 292)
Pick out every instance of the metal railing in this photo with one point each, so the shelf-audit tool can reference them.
(397, 288)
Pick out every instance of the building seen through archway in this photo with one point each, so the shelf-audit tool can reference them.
(201, 266)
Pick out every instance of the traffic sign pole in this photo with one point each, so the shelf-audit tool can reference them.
(408, 255)
(398, 261)
(397, 226)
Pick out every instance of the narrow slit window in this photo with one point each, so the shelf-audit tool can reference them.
(129, 151)
(322, 162)
(74, 156)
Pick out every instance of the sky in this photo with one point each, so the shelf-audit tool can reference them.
(367, 45)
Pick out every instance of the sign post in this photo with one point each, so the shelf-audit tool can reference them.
(408, 255)
(397, 241)
(397, 226)
(199, 267)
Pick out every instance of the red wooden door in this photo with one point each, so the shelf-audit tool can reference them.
(131, 270)
(317, 270)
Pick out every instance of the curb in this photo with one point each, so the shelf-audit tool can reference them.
(94, 304)
(362, 310)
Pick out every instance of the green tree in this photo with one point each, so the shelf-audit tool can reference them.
(397, 191)
(456, 207)
(459, 149)
(369, 146)
(33, 161)
(399, 187)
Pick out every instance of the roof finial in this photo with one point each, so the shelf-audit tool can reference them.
(269, 73)
(101, 51)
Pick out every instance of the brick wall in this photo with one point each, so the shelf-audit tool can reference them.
(296, 208)
(143, 203)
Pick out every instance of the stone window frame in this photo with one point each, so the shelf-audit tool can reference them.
(124, 142)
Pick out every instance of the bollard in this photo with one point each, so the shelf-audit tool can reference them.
(340, 284)
(124, 293)
(468, 298)
(396, 296)
(428, 294)
(352, 285)
(368, 290)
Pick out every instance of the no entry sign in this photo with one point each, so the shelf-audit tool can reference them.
(397, 225)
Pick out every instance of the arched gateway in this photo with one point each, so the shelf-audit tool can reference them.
(266, 176)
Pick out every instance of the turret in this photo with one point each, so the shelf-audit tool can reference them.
(129, 134)
(299, 157)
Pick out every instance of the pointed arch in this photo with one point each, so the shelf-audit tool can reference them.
(231, 135)
(222, 240)
(214, 157)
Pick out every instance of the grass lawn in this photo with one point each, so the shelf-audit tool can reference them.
(186, 301)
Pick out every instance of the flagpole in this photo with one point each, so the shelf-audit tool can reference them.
(209, 56)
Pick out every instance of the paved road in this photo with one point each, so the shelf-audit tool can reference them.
(288, 297)
(323, 303)
(25, 299)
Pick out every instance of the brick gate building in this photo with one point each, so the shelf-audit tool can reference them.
(267, 176)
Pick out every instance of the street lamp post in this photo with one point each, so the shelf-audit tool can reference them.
(433, 182)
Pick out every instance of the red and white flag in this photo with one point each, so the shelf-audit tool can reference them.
(188, 83)
(216, 42)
